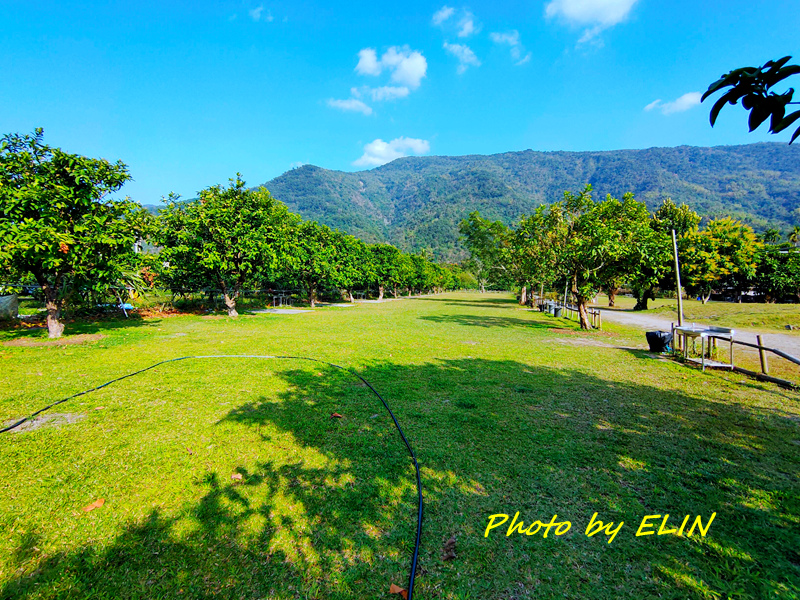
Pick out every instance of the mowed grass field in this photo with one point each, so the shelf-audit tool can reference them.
(228, 478)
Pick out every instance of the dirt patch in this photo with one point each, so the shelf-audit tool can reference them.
(593, 333)
(51, 420)
(64, 341)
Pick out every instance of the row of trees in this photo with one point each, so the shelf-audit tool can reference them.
(586, 246)
(59, 226)
(232, 239)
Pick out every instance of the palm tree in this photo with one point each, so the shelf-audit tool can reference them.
(794, 236)
(770, 236)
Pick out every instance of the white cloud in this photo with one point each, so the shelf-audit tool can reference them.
(388, 92)
(368, 62)
(464, 26)
(596, 15)
(441, 15)
(350, 105)
(378, 152)
(682, 104)
(408, 67)
(257, 14)
(652, 105)
(466, 57)
(467, 25)
(512, 40)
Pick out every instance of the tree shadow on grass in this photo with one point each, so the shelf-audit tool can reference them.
(14, 331)
(488, 321)
(483, 301)
(335, 519)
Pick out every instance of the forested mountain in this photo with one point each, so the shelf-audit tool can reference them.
(417, 202)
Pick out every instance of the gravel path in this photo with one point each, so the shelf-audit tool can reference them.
(781, 341)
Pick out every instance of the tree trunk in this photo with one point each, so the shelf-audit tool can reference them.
(350, 296)
(705, 297)
(230, 303)
(395, 292)
(312, 296)
(54, 325)
(53, 304)
(380, 292)
(483, 288)
(583, 313)
(581, 301)
(523, 296)
(612, 296)
(642, 297)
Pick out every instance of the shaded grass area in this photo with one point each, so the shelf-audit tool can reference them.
(505, 415)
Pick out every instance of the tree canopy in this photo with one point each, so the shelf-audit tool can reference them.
(58, 224)
(227, 239)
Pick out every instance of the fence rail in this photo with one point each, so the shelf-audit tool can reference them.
(567, 310)
(762, 350)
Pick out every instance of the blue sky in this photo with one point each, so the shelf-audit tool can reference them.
(187, 94)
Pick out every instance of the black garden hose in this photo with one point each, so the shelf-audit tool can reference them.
(415, 555)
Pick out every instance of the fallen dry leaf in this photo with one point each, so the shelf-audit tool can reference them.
(99, 407)
(189, 450)
(93, 505)
(449, 549)
(237, 476)
(336, 416)
(396, 589)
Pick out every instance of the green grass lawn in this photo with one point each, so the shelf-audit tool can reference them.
(758, 316)
(505, 414)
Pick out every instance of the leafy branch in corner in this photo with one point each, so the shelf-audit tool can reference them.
(752, 86)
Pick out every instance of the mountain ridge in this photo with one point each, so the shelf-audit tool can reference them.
(417, 202)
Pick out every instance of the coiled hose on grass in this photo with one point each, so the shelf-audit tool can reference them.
(414, 556)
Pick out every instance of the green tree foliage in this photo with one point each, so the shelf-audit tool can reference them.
(601, 240)
(535, 246)
(653, 265)
(753, 86)
(490, 248)
(387, 268)
(58, 225)
(354, 266)
(682, 219)
(724, 254)
(770, 236)
(311, 261)
(794, 235)
(227, 239)
(778, 273)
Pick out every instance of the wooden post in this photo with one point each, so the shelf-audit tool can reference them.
(677, 279)
(763, 356)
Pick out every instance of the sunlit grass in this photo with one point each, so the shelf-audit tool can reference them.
(505, 415)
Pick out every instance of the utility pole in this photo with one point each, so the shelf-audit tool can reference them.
(677, 278)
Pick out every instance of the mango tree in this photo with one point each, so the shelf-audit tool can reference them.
(353, 263)
(385, 260)
(228, 238)
(311, 260)
(57, 223)
(596, 240)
